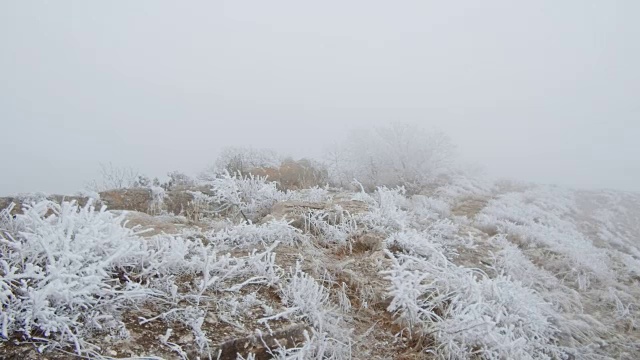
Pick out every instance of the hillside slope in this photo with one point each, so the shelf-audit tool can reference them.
(469, 270)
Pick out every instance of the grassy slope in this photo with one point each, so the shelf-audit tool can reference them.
(469, 270)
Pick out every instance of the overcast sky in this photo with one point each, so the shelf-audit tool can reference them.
(545, 91)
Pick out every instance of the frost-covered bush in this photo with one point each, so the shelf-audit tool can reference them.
(387, 210)
(461, 186)
(158, 195)
(334, 227)
(67, 274)
(317, 346)
(390, 211)
(546, 217)
(252, 234)
(611, 217)
(468, 314)
(200, 206)
(308, 300)
(429, 208)
(252, 195)
(413, 242)
(313, 194)
(7, 225)
(58, 270)
(511, 261)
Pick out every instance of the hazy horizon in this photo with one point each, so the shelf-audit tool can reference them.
(541, 91)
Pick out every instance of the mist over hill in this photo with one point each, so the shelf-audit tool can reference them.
(319, 180)
(388, 249)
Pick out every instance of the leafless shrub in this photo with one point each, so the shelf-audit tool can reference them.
(116, 177)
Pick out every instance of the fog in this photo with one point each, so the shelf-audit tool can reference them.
(541, 91)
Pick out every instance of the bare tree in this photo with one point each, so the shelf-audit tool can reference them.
(335, 159)
(397, 154)
(177, 178)
(241, 160)
(115, 177)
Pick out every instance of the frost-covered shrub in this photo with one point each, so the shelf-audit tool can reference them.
(305, 296)
(413, 242)
(332, 227)
(429, 208)
(467, 313)
(7, 225)
(253, 235)
(57, 272)
(313, 194)
(158, 195)
(317, 346)
(387, 210)
(460, 186)
(202, 206)
(611, 217)
(391, 211)
(176, 255)
(509, 260)
(252, 195)
(67, 273)
(545, 217)
(307, 299)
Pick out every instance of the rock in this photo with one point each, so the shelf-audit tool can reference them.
(19, 201)
(166, 224)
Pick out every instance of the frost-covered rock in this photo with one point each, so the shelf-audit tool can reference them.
(149, 225)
